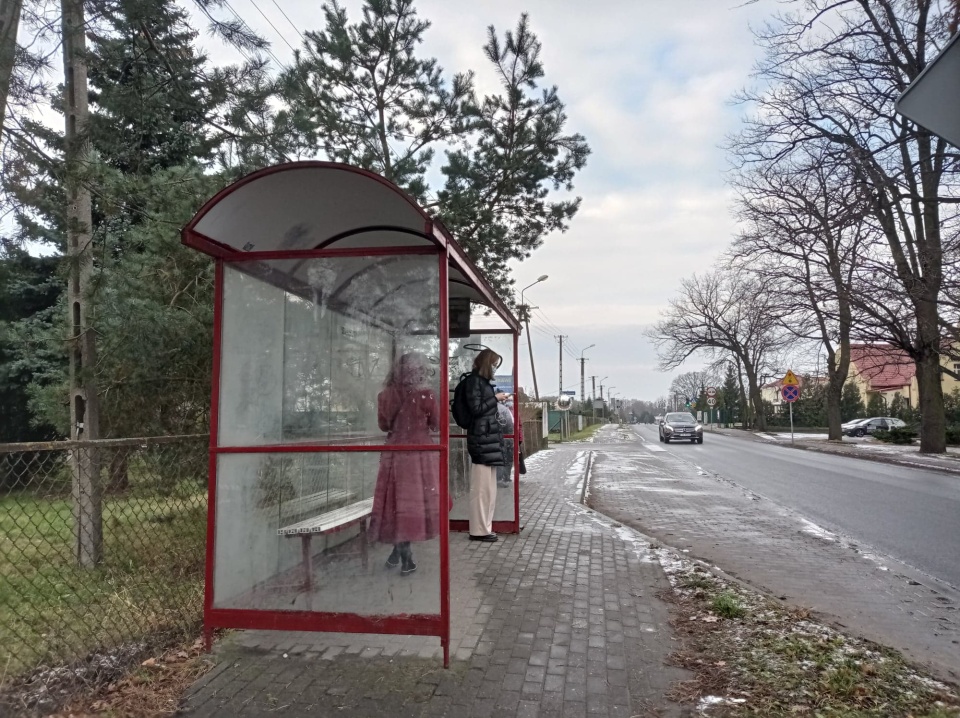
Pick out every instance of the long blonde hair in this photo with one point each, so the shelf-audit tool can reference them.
(486, 363)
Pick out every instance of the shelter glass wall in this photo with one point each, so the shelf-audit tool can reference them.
(306, 346)
(462, 353)
(324, 358)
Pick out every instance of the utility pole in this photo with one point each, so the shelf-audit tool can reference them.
(563, 414)
(525, 308)
(593, 394)
(9, 24)
(84, 403)
(561, 337)
(583, 398)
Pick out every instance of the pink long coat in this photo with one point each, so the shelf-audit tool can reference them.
(406, 501)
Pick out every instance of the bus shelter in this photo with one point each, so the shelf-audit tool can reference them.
(344, 317)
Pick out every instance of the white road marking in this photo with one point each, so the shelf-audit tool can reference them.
(649, 445)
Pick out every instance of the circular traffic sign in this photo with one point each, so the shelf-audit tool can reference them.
(711, 391)
(790, 393)
(711, 401)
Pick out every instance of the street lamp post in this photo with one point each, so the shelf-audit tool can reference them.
(583, 397)
(526, 316)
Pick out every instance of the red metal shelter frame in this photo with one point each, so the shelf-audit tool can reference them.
(372, 208)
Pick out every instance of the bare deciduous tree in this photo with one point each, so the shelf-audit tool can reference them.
(804, 233)
(690, 384)
(724, 312)
(832, 72)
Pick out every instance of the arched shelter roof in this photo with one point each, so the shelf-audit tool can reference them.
(299, 209)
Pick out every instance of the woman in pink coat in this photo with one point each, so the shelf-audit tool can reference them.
(406, 502)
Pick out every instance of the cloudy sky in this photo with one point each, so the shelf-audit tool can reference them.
(649, 83)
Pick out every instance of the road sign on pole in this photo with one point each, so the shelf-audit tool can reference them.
(789, 393)
(711, 392)
(790, 379)
(791, 422)
(711, 401)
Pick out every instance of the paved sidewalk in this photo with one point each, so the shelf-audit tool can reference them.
(646, 486)
(560, 621)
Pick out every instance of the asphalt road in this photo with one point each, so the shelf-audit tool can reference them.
(912, 515)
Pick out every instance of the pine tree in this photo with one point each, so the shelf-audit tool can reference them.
(851, 402)
(150, 95)
(730, 394)
(496, 199)
(361, 93)
(151, 104)
(29, 289)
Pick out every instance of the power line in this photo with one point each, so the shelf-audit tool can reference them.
(247, 25)
(270, 22)
(289, 20)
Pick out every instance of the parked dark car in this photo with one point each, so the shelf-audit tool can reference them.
(680, 426)
(871, 426)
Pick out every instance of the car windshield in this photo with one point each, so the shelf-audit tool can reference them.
(681, 417)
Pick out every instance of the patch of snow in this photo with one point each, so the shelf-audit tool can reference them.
(534, 461)
(785, 436)
(707, 702)
(818, 531)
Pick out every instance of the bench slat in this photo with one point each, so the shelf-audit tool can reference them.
(318, 500)
(330, 520)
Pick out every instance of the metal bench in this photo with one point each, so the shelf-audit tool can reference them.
(312, 502)
(328, 523)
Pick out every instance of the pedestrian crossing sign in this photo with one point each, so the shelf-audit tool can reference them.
(790, 379)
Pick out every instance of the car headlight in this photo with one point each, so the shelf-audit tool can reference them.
(667, 427)
(698, 427)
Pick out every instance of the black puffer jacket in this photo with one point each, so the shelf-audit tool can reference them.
(485, 436)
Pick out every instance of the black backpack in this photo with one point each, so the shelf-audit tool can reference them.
(459, 407)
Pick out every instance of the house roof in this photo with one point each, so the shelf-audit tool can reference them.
(885, 367)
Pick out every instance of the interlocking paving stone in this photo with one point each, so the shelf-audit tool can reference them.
(538, 622)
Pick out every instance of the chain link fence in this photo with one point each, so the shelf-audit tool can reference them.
(101, 556)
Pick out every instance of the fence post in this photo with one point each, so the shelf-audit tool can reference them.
(87, 506)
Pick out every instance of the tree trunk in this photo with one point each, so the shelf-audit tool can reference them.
(9, 24)
(834, 420)
(756, 398)
(932, 420)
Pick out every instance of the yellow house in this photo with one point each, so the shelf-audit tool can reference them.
(888, 371)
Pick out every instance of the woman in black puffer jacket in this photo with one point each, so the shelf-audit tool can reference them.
(484, 443)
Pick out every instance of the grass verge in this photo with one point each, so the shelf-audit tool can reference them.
(754, 657)
(150, 582)
(584, 435)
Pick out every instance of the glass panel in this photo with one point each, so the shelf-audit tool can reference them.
(461, 356)
(314, 532)
(309, 345)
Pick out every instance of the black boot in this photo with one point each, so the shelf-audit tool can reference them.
(406, 559)
(393, 560)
